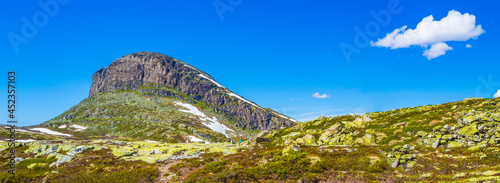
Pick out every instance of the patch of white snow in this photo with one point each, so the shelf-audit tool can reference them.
(211, 123)
(21, 130)
(78, 127)
(191, 109)
(50, 132)
(241, 98)
(216, 126)
(29, 140)
(194, 139)
(203, 76)
(280, 115)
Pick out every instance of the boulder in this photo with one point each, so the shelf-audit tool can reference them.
(155, 151)
(468, 131)
(366, 118)
(290, 149)
(263, 133)
(309, 139)
(260, 139)
(436, 143)
(336, 128)
(454, 144)
(18, 159)
(395, 164)
(359, 122)
(367, 139)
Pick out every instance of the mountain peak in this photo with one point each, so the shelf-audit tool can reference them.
(133, 71)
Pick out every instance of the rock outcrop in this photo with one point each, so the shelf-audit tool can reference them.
(474, 130)
(145, 68)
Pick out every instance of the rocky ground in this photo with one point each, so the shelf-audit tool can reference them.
(103, 160)
(452, 142)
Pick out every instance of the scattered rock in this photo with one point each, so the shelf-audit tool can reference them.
(18, 159)
(262, 133)
(60, 159)
(260, 139)
(309, 139)
(155, 151)
(367, 139)
(436, 143)
(80, 149)
(366, 118)
(291, 148)
(395, 164)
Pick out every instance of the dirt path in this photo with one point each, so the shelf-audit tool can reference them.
(162, 169)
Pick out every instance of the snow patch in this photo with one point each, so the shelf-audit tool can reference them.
(151, 141)
(21, 130)
(78, 127)
(280, 115)
(210, 122)
(216, 126)
(191, 109)
(241, 98)
(196, 139)
(203, 76)
(22, 141)
(50, 132)
(62, 126)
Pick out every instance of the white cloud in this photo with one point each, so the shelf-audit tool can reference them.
(436, 50)
(497, 94)
(454, 27)
(468, 45)
(317, 95)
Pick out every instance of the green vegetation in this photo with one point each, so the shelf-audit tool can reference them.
(452, 142)
(137, 115)
(457, 141)
(29, 170)
(270, 163)
(100, 166)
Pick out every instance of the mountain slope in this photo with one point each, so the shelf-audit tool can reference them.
(153, 96)
(135, 70)
(451, 142)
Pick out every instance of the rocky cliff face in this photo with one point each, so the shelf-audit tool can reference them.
(146, 68)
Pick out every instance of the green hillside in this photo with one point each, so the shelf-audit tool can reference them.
(457, 141)
(137, 115)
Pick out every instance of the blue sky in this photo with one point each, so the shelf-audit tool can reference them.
(274, 53)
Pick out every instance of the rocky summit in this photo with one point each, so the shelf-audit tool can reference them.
(136, 70)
